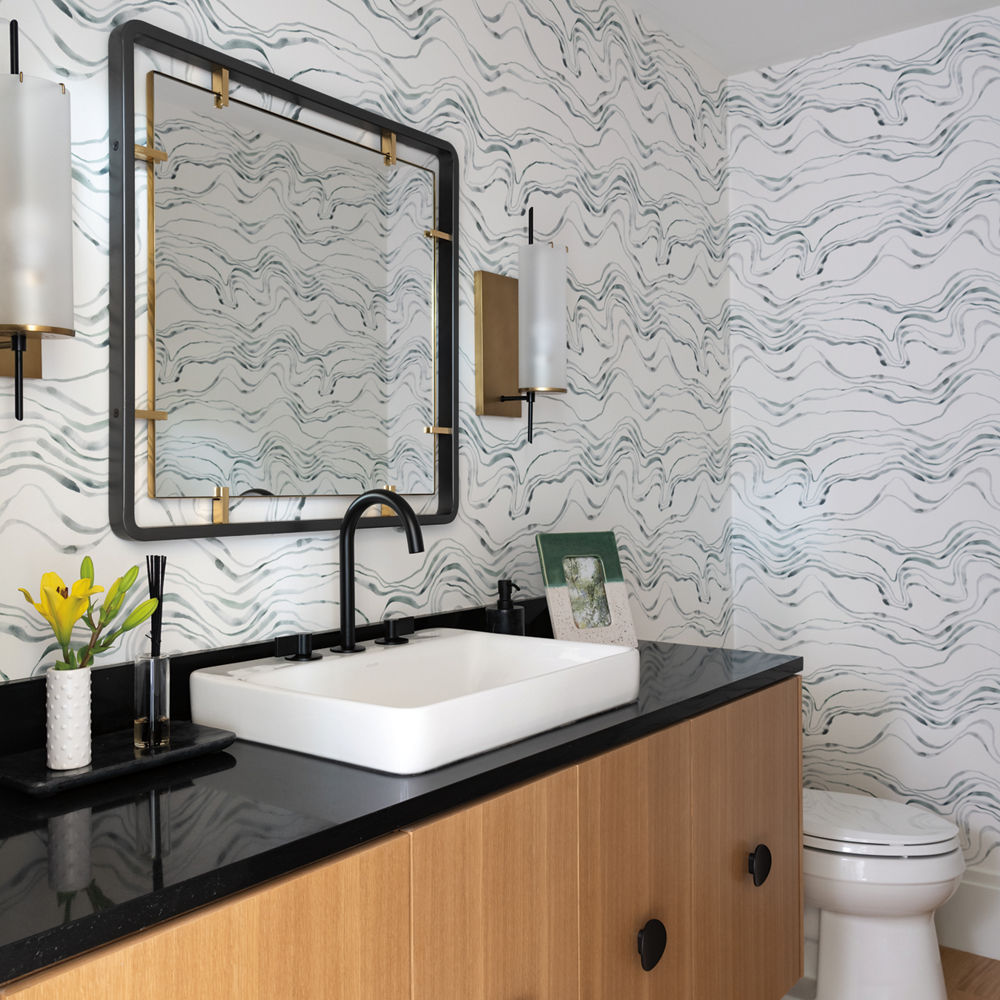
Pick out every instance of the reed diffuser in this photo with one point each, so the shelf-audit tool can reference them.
(151, 718)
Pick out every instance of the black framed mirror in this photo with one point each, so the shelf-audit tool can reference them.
(284, 286)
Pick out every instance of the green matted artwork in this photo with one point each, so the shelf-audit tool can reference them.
(584, 587)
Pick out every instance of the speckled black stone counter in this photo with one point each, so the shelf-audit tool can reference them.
(86, 867)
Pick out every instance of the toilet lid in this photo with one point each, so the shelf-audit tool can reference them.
(860, 824)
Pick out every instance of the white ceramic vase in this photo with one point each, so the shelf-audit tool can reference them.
(67, 718)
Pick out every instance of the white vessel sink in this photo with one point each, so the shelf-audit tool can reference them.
(445, 695)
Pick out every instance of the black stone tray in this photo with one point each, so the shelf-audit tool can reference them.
(113, 756)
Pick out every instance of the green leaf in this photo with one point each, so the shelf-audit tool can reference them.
(112, 602)
(139, 614)
(129, 578)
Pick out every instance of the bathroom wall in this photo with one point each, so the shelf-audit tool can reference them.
(865, 340)
(615, 135)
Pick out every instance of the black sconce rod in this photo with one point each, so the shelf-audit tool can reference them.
(17, 345)
(14, 60)
(17, 340)
(529, 396)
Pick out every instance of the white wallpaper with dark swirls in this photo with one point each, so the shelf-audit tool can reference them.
(287, 306)
(615, 135)
(865, 339)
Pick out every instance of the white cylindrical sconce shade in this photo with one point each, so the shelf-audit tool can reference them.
(541, 318)
(36, 209)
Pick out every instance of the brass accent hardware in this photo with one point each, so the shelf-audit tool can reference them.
(35, 332)
(220, 505)
(150, 414)
(150, 155)
(438, 430)
(220, 86)
(31, 359)
(389, 147)
(384, 509)
(538, 388)
(436, 234)
(496, 344)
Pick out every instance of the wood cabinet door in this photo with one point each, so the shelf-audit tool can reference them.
(338, 930)
(635, 841)
(746, 789)
(495, 902)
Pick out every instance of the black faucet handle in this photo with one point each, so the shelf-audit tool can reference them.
(295, 647)
(395, 629)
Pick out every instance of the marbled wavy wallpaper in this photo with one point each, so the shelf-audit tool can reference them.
(616, 136)
(290, 314)
(865, 345)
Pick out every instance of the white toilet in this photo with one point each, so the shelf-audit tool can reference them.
(874, 872)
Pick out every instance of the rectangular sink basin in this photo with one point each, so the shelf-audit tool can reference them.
(444, 695)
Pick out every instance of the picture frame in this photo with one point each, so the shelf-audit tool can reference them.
(584, 587)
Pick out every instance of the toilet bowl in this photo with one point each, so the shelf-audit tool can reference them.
(875, 871)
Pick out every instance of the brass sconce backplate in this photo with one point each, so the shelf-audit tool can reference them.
(496, 344)
(32, 359)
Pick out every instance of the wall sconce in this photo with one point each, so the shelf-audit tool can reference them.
(36, 215)
(521, 331)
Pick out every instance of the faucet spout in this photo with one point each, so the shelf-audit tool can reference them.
(414, 542)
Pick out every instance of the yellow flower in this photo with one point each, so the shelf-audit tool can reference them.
(61, 606)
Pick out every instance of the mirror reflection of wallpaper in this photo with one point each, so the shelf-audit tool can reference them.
(293, 307)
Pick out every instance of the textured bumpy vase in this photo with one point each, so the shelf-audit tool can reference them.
(67, 718)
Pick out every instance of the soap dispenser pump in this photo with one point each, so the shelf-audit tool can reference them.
(506, 618)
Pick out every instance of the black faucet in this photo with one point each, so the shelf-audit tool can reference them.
(414, 542)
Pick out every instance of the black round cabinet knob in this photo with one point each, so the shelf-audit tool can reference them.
(652, 943)
(760, 864)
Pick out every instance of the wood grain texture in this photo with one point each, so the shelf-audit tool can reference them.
(970, 977)
(747, 789)
(635, 841)
(495, 901)
(335, 931)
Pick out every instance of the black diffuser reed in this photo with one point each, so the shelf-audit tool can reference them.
(151, 722)
(156, 568)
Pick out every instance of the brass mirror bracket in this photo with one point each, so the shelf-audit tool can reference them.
(150, 155)
(220, 86)
(496, 345)
(220, 505)
(389, 147)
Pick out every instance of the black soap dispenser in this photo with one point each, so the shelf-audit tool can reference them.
(506, 617)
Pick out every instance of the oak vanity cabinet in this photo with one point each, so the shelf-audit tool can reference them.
(322, 932)
(746, 795)
(495, 904)
(635, 842)
(539, 892)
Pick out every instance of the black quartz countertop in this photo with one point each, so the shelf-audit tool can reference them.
(86, 867)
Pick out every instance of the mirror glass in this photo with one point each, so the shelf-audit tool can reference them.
(294, 306)
(283, 298)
